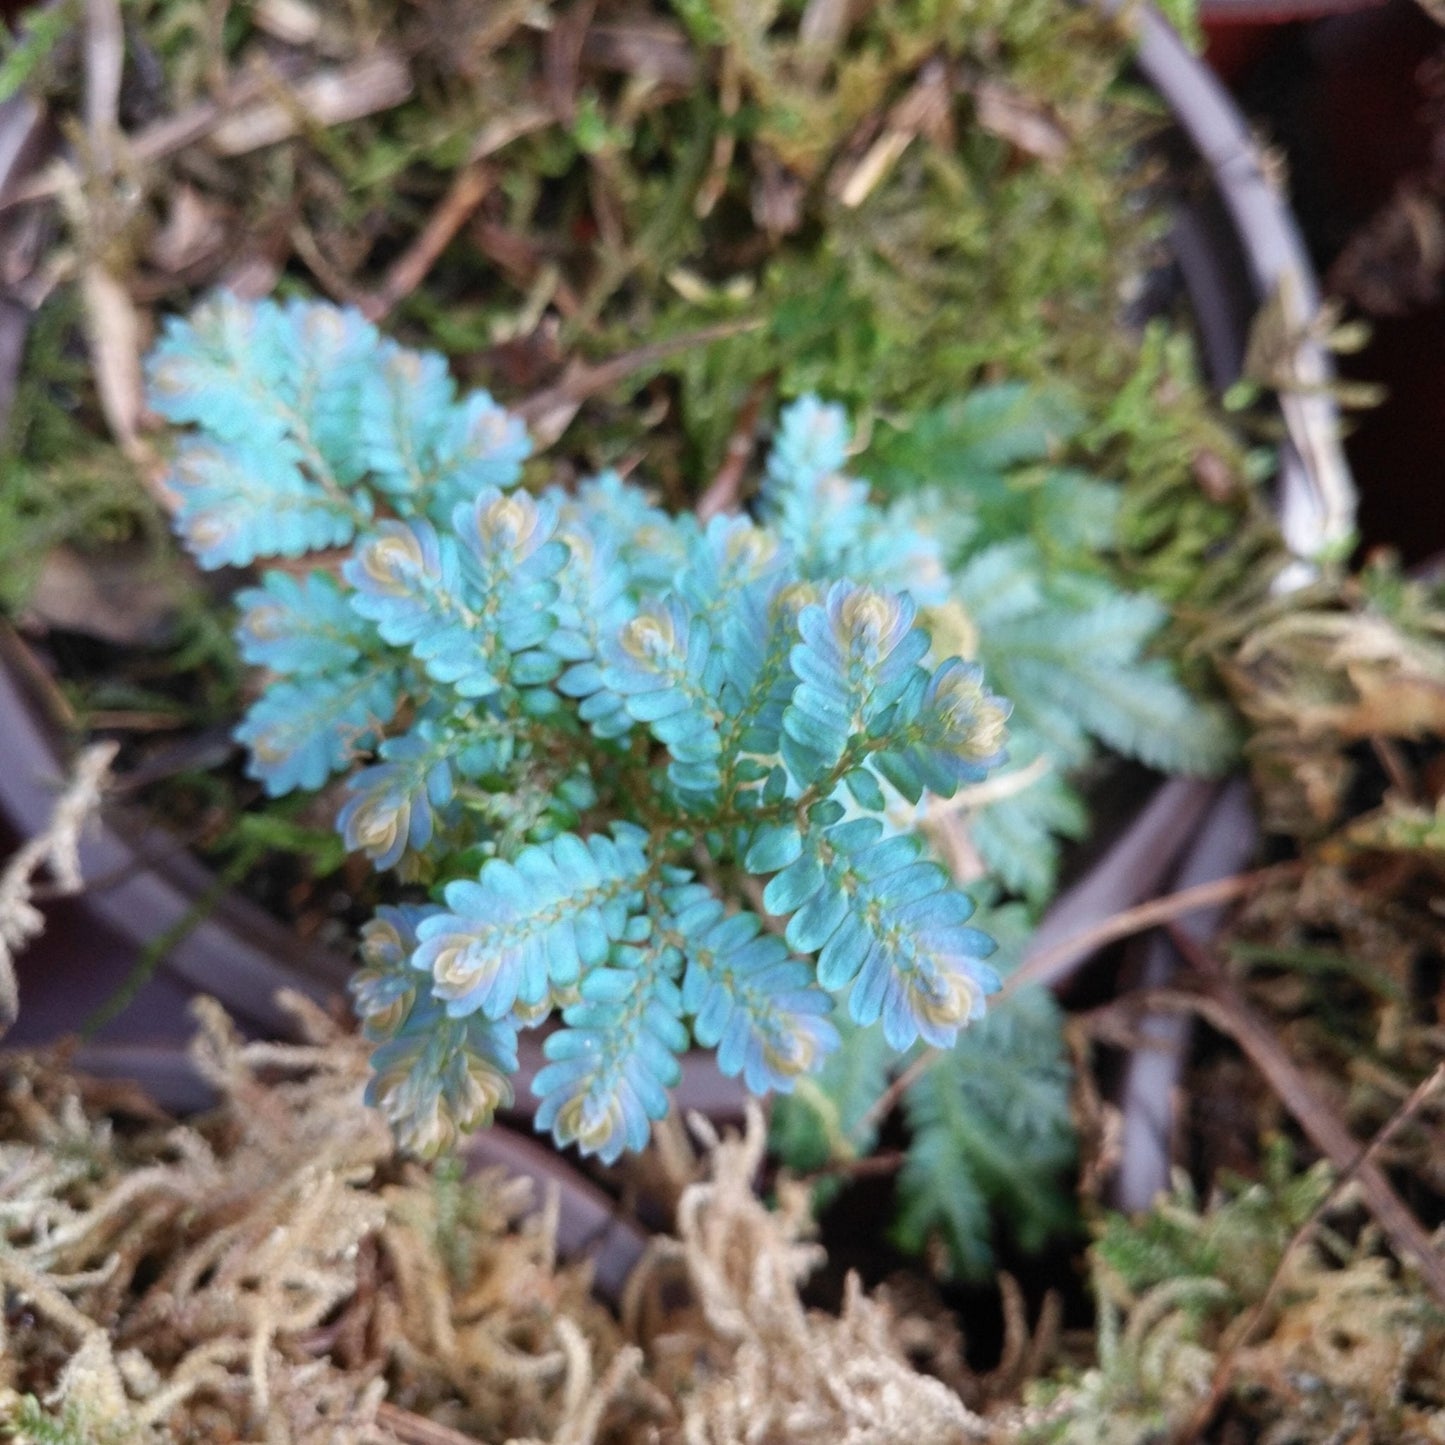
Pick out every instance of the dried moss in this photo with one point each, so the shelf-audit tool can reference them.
(275, 1272)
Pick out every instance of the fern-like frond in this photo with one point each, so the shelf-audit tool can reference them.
(751, 1000)
(594, 602)
(544, 917)
(437, 1079)
(265, 375)
(299, 626)
(663, 667)
(971, 445)
(482, 446)
(385, 987)
(652, 544)
(823, 1120)
(610, 1068)
(890, 922)
(390, 805)
(858, 654)
(982, 1150)
(299, 733)
(828, 521)
(1078, 670)
(229, 366)
(406, 406)
(731, 557)
(1017, 835)
(758, 680)
(953, 735)
(239, 501)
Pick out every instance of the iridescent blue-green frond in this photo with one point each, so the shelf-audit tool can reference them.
(828, 520)
(390, 805)
(663, 666)
(652, 543)
(511, 557)
(810, 444)
(409, 582)
(859, 653)
(925, 976)
(437, 1079)
(953, 735)
(594, 601)
(610, 1068)
(301, 626)
(806, 500)
(894, 553)
(228, 367)
(334, 351)
(759, 633)
(405, 410)
(545, 916)
(885, 919)
(298, 733)
(242, 500)
(386, 985)
(482, 445)
(750, 999)
(730, 556)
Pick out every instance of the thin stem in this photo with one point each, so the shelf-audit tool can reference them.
(1228, 1363)
(1040, 967)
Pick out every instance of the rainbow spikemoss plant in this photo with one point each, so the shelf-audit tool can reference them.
(657, 777)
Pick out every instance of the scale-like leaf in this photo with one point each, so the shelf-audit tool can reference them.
(301, 732)
(544, 917)
(992, 1138)
(610, 1068)
(751, 1000)
(300, 626)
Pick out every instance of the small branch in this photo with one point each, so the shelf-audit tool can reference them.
(104, 61)
(414, 1429)
(377, 82)
(1039, 967)
(548, 413)
(245, 120)
(1006, 784)
(468, 189)
(1220, 1004)
(721, 494)
(410, 269)
(1229, 1360)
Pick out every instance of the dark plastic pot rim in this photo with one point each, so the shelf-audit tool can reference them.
(1316, 499)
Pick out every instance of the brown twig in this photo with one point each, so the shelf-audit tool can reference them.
(1156, 912)
(548, 413)
(866, 1166)
(1229, 1360)
(413, 1429)
(104, 62)
(468, 189)
(1221, 1005)
(466, 192)
(326, 97)
(1038, 967)
(721, 494)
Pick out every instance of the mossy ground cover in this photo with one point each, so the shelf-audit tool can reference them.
(646, 228)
